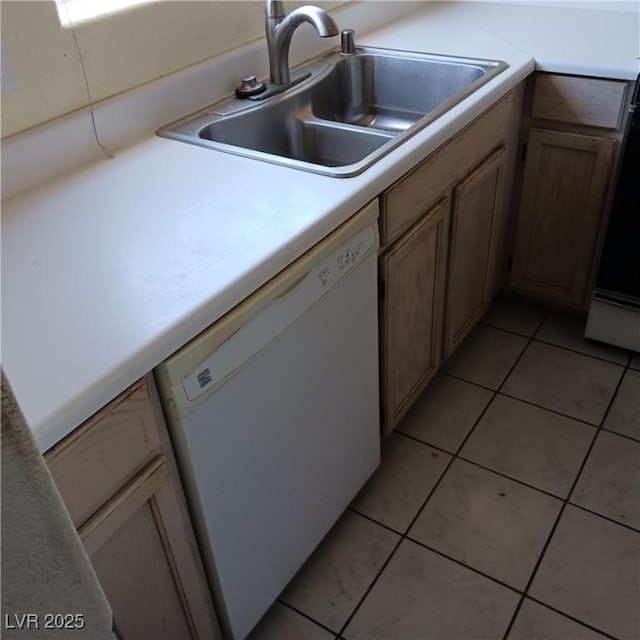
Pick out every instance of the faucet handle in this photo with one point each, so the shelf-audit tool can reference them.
(347, 41)
(250, 87)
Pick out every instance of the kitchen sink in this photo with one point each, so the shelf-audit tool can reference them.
(287, 130)
(350, 111)
(390, 92)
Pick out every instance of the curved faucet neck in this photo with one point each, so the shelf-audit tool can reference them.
(279, 29)
(274, 9)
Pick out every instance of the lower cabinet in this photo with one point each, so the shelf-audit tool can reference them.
(413, 275)
(566, 178)
(117, 477)
(443, 231)
(477, 218)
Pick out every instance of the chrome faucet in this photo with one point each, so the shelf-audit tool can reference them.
(280, 27)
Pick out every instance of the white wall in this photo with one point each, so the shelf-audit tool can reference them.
(119, 51)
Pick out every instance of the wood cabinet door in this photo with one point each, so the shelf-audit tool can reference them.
(119, 481)
(141, 554)
(476, 215)
(413, 279)
(566, 177)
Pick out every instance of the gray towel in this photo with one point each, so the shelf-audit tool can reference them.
(45, 570)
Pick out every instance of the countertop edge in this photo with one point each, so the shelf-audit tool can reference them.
(64, 416)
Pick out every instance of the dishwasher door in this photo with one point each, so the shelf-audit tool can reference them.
(274, 415)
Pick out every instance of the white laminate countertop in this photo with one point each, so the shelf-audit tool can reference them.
(109, 270)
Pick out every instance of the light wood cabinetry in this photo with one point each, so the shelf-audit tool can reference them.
(582, 101)
(118, 479)
(571, 142)
(413, 280)
(566, 176)
(476, 221)
(416, 192)
(425, 268)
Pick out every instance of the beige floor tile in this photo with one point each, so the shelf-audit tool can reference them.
(282, 623)
(514, 315)
(635, 361)
(610, 481)
(397, 490)
(423, 595)
(568, 331)
(486, 356)
(563, 381)
(624, 415)
(533, 445)
(590, 572)
(488, 522)
(338, 573)
(535, 622)
(446, 412)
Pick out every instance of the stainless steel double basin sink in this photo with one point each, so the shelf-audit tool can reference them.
(351, 110)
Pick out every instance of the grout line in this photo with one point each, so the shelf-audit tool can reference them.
(559, 413)
(565, 501)
(404, 535)
(533, 404)
(604, 418)
(502, 475)
(560, 346)
(428, 444)
(613, 397)
(475, 384)
(595, 513)
(563, 508)
(431, 492)
(462, 564)
(581, 353)
(381, 524)
(370, 587)
(466, 438)
(304, 615)
(496, 392)
(511, 331)
(615, 433)
(546, 316)
(566, 615)
(486, 468)
(507, 477)
(544, 548)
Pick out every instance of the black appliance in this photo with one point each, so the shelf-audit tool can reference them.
(614, 316)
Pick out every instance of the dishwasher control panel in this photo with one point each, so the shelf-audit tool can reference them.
(333, 268)
(272, 320)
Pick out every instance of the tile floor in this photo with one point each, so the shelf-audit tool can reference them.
(507, 504)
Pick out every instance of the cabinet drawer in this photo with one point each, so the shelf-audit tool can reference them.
(583, 101)
(418, 191)
(106, 452)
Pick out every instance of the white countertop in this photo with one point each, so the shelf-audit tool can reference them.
(109, 270)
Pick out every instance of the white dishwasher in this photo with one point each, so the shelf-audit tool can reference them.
(274, 416)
